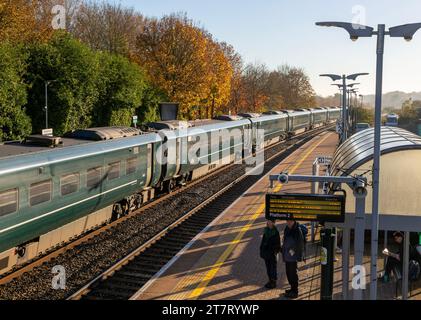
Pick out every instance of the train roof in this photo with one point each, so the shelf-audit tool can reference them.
(207, 127)
(103, 133)
(228, 117)
(168, 125)
(273, 112)
(15, 148)
(35, 143)
(17, 156)
(249, 115)
(269, 117)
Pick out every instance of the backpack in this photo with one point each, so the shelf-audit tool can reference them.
(304, 231)
(414, 270)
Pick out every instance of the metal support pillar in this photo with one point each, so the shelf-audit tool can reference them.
(346, 240)
(314, 190)
(376, 162)
(327, 236)
(359, 234)
(405, 271)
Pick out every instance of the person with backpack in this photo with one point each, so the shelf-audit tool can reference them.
(293, 251)
(269, 248)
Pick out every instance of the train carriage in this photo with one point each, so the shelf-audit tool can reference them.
(299, 121)
(275, 128)
(202, 147)
(47, 197)
(319, 117)
(334, 114)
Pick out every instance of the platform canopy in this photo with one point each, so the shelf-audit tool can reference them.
(400, 169)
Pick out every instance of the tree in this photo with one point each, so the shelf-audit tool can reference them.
(184, 62)
(149, 108)
(107, 27)
(220, 74)
(365, 115)
(121, 91)
(255, 79)
(26, 21)
(236, 83)
(14, 122)
(291, 87)
(330, 101)
(409, 114)
(72, 97)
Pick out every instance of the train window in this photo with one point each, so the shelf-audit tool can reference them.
(131, 165)
(69, 184)
(93, 177)
(113, 171)
(8, 201)
(40, 192)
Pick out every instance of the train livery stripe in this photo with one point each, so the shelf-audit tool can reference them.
(66, 207)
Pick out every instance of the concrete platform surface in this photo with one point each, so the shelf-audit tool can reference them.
(223, 261)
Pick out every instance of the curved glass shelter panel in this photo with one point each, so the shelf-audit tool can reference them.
(359, 149)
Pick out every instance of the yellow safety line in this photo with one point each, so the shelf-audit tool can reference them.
(221, 260)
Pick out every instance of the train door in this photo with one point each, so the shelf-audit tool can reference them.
(249, 134)
(149, 164)
(178, 156)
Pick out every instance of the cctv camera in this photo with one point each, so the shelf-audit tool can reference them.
(283, 178)
(354, 38)
(360, 189)
(408, 38)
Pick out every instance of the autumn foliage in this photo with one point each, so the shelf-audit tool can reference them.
(186, 63)
(112, 62)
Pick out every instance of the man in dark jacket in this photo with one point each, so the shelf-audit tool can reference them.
(292, 253)
(269, 248)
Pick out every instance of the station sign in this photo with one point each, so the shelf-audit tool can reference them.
(47, 132)
(134, 121)
(324, 161)
(305, 207)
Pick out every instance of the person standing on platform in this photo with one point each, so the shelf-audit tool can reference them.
(292, 252)
(269, 248)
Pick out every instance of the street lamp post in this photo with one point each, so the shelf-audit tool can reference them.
(344, 86)
(46, 84)
(356, 31)
(355, 109)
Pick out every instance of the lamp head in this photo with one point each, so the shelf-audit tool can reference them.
(405, 31)
(355, 30)
(334, 77)
(356, 75)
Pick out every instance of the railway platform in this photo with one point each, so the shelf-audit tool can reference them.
(222, 262)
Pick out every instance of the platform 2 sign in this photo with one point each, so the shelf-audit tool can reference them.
(305, 207)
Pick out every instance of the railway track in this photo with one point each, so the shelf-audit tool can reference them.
(130, 274)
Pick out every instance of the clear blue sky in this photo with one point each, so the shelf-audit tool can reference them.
(283, 31)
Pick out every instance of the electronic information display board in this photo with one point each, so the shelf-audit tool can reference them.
(305, 207)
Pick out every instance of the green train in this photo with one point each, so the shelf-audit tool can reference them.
(51, 194)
